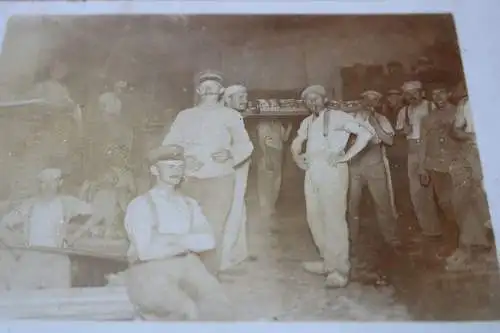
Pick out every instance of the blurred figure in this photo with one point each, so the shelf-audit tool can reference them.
(467, 176)
(43, 221)
(409, 124)
(271, 135)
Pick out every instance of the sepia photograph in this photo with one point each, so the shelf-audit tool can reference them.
(231, 168)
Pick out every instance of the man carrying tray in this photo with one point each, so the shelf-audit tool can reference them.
(42, 221)
(327, 181)
(167, 231)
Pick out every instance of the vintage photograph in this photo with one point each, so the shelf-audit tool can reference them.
(241, 168)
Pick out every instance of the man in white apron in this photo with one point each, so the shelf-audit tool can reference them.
(271, 135)
(371, 168)
(166, 279)
(216, 142)
(409, 123)
(44, 220)
(327, 181)
(234, 244)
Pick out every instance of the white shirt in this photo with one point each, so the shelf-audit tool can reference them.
(271, 133)
(44, 222)
(203, 131)
(109, 102)
(176, 215)
(340, 127)
(382, 120)
(415, 116)
(464, 118)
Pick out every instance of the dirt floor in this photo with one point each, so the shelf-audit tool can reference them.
(411, 285)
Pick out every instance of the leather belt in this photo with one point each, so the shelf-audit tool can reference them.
(140, 262)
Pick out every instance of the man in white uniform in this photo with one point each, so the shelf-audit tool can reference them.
(216, 142)
(370, 168)
(235, 247)
(327, 181)
(44, 221)
(167, 232)
(271, 135)
(409, 123)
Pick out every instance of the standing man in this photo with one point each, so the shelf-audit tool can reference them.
(44, 222)
(216, 142)
(409, 124)
(271, 135)
(469, 196)
(327, 181)
(438, 149)
(234, 244)
(370, 168)
(167, 231)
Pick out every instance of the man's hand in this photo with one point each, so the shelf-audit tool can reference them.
(336, 158)
(222, 156)
(193, 164)
(406, 129)
(301, 162)
(425, 179)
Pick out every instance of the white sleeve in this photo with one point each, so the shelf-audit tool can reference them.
(138, 225)
(400, 122)
(175, 133)
(302, 132)
(242, 146)
(385, 124)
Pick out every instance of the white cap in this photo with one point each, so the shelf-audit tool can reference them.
(411, 85)
(314, 89)
(372, 94)
(233, 90)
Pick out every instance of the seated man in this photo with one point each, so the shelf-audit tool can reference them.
(43, 221)
(167, 230)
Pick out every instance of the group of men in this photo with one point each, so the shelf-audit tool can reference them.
(191, 225)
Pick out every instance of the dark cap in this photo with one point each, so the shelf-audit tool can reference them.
(391, 92)
(166, 153)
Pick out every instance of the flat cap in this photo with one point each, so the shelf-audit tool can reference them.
(371, 94)
(166, 153)
(210, 75)
(411, 85)
(314, 89)
(391, 92)
(50, 174)
(234, 89)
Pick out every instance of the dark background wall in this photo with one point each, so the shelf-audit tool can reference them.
(160, 55)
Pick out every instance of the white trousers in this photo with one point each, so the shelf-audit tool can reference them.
(326, 190)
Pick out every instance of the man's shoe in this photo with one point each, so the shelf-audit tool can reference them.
(336, 280)
(314, 267)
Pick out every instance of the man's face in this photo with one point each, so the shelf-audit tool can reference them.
(50, 187)
(413, 96)
(394, 100)
(371, 101)
(440, 97)
(239, 101)
(314, 102)
(170, 172)
(209, 88)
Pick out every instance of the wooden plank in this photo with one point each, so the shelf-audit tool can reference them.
(103, 303)
(70, 252)
(275, 114)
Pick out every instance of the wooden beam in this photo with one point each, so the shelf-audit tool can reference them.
(103, 303)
